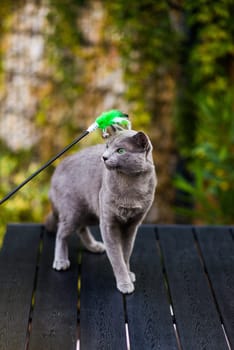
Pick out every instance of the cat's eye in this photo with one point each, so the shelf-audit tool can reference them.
(121, 150)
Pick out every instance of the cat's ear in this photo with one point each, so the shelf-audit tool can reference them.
(142, 141)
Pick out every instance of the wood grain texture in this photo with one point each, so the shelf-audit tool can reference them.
(18, 260)
(199, 272)
(217, 249)
(102, 322)
(54, 324)
(196, 316)
(148, 311)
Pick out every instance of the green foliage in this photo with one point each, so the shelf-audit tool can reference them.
(63, 88)
(199, 58)
(31, 202)
(210, 90)
(211, 164)
(55, 118)
(148, 47)
(5, 19)
(63, 49)
(206, 61)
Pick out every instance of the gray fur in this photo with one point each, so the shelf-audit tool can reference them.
(104, 185)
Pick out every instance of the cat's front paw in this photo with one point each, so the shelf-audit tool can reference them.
(61, 264)
(126, 288)
(132, 276)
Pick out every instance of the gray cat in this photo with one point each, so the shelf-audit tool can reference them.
(112, 185)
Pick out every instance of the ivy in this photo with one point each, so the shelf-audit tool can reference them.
(210, 91)
(189, 41)
(148, 48)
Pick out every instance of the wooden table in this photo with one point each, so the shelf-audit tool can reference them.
(184, 297)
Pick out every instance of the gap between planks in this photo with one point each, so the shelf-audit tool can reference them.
(205, 270)
(167, 288)
(30, 318)
(79, 259)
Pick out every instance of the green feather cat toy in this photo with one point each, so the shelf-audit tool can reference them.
(113, 118)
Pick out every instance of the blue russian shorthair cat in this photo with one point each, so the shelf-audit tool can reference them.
(112, 185)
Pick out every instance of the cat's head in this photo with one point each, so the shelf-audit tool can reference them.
(128, 152)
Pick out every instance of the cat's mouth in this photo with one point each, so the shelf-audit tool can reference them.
(111, 166)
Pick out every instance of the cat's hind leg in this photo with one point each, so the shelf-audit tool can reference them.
(51, 222)
(89, 242)
(61, 260)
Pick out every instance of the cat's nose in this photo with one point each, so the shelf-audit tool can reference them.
(104, 158)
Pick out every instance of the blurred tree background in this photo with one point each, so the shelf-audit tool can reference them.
(169, 64)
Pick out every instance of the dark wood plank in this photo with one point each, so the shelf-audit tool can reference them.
(217, 248)
(148, 311)
(196, 316)
(102, 322)
(54, 323)
(17, 241)
(18, 259)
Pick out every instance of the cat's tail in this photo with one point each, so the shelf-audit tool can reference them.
(51, 222)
